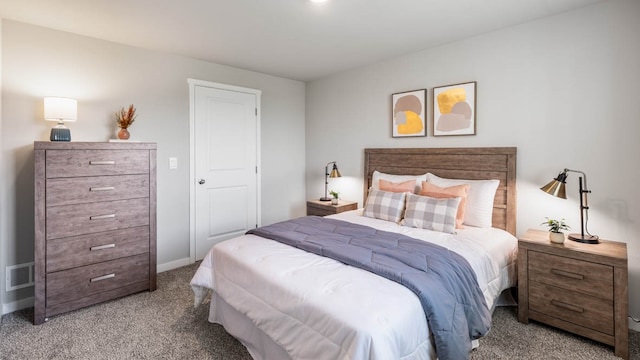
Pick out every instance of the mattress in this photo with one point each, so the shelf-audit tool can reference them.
(281, 300)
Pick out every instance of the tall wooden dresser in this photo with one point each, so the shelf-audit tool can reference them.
(95, 223)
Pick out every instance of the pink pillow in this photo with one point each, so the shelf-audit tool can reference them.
(406, 186)
(428, 189)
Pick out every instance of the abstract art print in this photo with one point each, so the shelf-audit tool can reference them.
(409, 113)
(454, 109)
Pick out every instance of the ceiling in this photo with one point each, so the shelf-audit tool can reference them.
(295, 39)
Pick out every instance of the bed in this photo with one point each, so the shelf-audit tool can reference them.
(282, 302)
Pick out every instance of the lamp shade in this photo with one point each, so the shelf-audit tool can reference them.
(60, 109)
(335, 172)
(557, 186)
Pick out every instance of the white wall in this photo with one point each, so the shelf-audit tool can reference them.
(104, 77)
(563, 89)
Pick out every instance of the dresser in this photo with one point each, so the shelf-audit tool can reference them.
(324, 208)
(581, 288)
(95, 223)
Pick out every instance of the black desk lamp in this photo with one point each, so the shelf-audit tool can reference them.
(334, 174)
(557, 188)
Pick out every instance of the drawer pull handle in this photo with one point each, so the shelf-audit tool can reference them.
(104, 188)
(567, 274)
(103, 277)
(101, 162)
(102, 247)
(567, 306)
(99, 217)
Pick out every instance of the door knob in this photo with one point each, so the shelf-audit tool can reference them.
(201, 181)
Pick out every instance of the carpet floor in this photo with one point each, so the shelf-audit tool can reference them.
(164, 325)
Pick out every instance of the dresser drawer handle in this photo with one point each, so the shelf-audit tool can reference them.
(103, 277)
(101, 162)
(102, 247)
(99, 217)
(104, 188)
(567, 306)
(567, 274)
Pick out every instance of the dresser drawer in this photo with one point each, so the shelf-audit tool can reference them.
(72, 163)
(67, 285)
(72, 220)
(571, 274)
(71, 252)
(588, 311)
(67, 191)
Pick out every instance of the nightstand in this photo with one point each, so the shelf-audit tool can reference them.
(323, 208)
(580, 288)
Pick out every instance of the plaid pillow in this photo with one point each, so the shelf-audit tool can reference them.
(432, 214)
(384, 205)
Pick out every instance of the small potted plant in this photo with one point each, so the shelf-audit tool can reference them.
(334, 200)
(124, 119)
(555, 229)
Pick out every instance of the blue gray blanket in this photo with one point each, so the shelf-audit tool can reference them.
(443, 280)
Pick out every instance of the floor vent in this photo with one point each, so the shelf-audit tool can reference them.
(19, 276)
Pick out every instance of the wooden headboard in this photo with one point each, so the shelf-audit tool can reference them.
(454, 163)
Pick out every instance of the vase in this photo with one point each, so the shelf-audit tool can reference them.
(334, 201)
(556, 237)
(123, 134)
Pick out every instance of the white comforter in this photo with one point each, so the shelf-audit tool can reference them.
(318, 308)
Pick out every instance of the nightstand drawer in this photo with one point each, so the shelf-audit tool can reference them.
(317, 211)
(588, 311)
(84, 281)
(79, 190)
(71, 163)
(571, 274)
(72, 220)
(71, 252)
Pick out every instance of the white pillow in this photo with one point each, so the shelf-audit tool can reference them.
(397, 179)
(479, 208)
(384, 205)
(432, 214)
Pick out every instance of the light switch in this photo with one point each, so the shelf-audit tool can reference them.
(173, 163)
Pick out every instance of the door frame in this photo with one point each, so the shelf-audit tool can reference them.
(192, 150)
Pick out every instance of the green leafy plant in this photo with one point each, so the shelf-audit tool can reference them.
(556, 226)
(334, 194)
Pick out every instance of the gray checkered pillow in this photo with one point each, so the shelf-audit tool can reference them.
(432, 214)
(384, 205)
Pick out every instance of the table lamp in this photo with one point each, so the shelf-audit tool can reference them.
(557, 188)
(60, 109)
(333, 174)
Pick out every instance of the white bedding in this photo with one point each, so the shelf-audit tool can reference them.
(318, 308)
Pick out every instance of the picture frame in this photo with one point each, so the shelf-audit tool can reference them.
(454, 109)
(409, 113)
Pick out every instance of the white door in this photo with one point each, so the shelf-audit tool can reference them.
(225, 125)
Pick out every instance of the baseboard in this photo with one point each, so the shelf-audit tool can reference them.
(634, 325)
(173, 264)
(17, 305)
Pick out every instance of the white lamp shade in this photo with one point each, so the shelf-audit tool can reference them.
(58, 108)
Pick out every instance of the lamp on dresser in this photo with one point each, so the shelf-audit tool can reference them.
(557, 188)
(60, 109)
(333, 174)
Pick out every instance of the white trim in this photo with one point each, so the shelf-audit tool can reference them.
(192, 175)
(634, 325)
(173, 264)
(18, 305)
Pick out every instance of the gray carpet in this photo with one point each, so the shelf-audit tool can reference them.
(164, 325)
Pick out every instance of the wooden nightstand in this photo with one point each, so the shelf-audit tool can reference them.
(581, 288)
(323, 208)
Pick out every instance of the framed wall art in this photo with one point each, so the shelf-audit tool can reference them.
(454, 109)
(408, 117)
